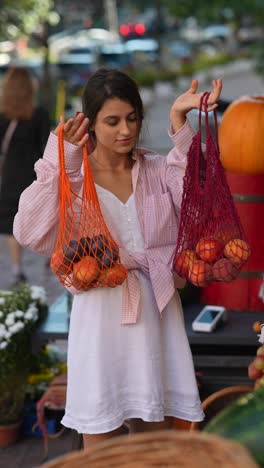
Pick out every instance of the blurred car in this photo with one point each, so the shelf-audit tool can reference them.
(209, 48)
(176, 52)
(85, 53)
(132, 30)
(216, 31)
(250, 34)
(34, 65)
(180, 50)
(75, 69)
(190, 30)
(74, 38)
(7, 47)
(3, 69)
(143, 50)
(148, 23)
(98, 36)
(115, 56)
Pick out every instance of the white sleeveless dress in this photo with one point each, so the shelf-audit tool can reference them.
(116, 372)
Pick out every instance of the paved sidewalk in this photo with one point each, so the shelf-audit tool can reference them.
(29, 451)
(36, 270)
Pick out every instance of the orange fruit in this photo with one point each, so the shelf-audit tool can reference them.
(59, 264)
(183, 261)
(85, 271)
(113, 276)
(200, 273)
(224, 270)
(237, 250)
(209, 249)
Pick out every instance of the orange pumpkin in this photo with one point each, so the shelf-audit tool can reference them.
(241, 136)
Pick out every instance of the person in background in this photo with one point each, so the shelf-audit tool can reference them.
(24, 130)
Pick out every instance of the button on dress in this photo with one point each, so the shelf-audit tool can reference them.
(117, 372)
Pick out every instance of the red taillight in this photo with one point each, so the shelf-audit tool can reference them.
(140, 29)
(124, 30)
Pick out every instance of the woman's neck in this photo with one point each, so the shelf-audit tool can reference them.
(111, 161)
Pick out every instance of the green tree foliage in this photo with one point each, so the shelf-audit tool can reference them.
(18, 17)
(215, 11)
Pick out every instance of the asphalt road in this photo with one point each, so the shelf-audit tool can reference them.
(238, 81)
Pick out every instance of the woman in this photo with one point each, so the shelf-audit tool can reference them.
(128, 354)
(24, 130)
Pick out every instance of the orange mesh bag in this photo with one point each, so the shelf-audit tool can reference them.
(85, 256)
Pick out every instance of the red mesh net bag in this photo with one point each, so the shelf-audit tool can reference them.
(211, 242)
(85, 256)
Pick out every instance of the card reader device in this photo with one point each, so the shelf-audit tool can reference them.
(209, 317)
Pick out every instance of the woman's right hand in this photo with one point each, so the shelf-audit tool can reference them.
(75, 130)
(191, 100)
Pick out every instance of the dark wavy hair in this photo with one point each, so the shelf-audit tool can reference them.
(105, 84)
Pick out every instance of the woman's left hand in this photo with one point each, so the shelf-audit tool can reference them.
(75, 130)
(191, 100)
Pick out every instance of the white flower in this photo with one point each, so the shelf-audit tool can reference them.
(6, 293)
(16, 327)
(7, 335)
(19, 313)
(39, 294)
(1, 314)
(29, 315)
(3, 331)
(10, 320)
(32, 312)
(3, 345)
(11, 314)
(261, 336)
(2, 300)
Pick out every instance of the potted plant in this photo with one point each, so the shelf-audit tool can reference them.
(48, 363)
(21, 312)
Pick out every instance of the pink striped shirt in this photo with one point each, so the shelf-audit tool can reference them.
(157, 186)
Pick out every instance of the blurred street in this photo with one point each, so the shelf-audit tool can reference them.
(238, 81)
(36, 271)
(28, 452)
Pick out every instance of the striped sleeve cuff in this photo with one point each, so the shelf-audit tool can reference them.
(73, 154)
(183, 137)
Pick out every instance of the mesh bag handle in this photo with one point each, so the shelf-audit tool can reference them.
(203, 165)
(89, 189)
